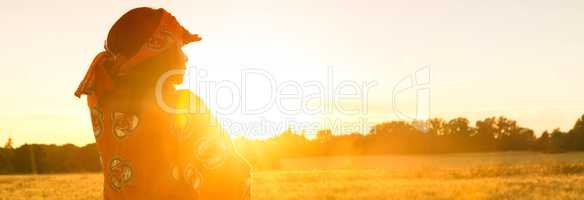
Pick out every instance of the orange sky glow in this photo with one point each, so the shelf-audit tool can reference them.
(479, 59)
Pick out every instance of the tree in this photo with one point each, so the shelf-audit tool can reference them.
(505, 127)
(485, 135)
(9, 144)
(436, 127)
(458, 132)
(523, 139)
(579, 125)
(324, 135)
(543, 142)
(459, 127)
(557, 141)
(576, 135)
(505, 133)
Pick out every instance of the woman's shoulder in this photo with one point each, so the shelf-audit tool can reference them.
(190, 100)
(184, 94)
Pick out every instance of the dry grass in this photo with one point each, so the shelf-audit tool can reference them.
(374, 185)
(62, 187)
(544, 180)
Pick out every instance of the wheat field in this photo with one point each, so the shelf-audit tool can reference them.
(560, 176)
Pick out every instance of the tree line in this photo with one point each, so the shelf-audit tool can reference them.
(45, 159)
(434, 136)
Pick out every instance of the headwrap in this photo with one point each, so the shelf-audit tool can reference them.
(108, 65)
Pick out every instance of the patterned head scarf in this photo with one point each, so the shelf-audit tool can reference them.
(108, 65)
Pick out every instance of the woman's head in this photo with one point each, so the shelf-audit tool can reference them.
(132, 30)
(142, 45)
(145, 42)
(136, 28)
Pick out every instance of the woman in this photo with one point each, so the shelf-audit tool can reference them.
(156, 142)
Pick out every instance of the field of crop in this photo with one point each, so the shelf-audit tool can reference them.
(559, 176)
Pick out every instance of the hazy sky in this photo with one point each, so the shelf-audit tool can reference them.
(522, 59)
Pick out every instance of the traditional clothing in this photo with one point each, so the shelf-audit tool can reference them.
(154, 153)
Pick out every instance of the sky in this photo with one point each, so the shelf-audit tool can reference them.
(521, 59)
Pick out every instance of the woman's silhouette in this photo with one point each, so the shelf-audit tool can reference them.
(148, 152)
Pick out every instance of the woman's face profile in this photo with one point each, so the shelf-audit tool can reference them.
(177, 60)
(184, 58)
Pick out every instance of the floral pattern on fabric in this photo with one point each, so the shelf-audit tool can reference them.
(124, 124)
(120, 173)
(211, 151)
(181, 127)
(175, 173)
(190, 162)
(193, 176)
(96, 121)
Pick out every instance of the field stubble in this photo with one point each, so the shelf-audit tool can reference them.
(544, 180)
